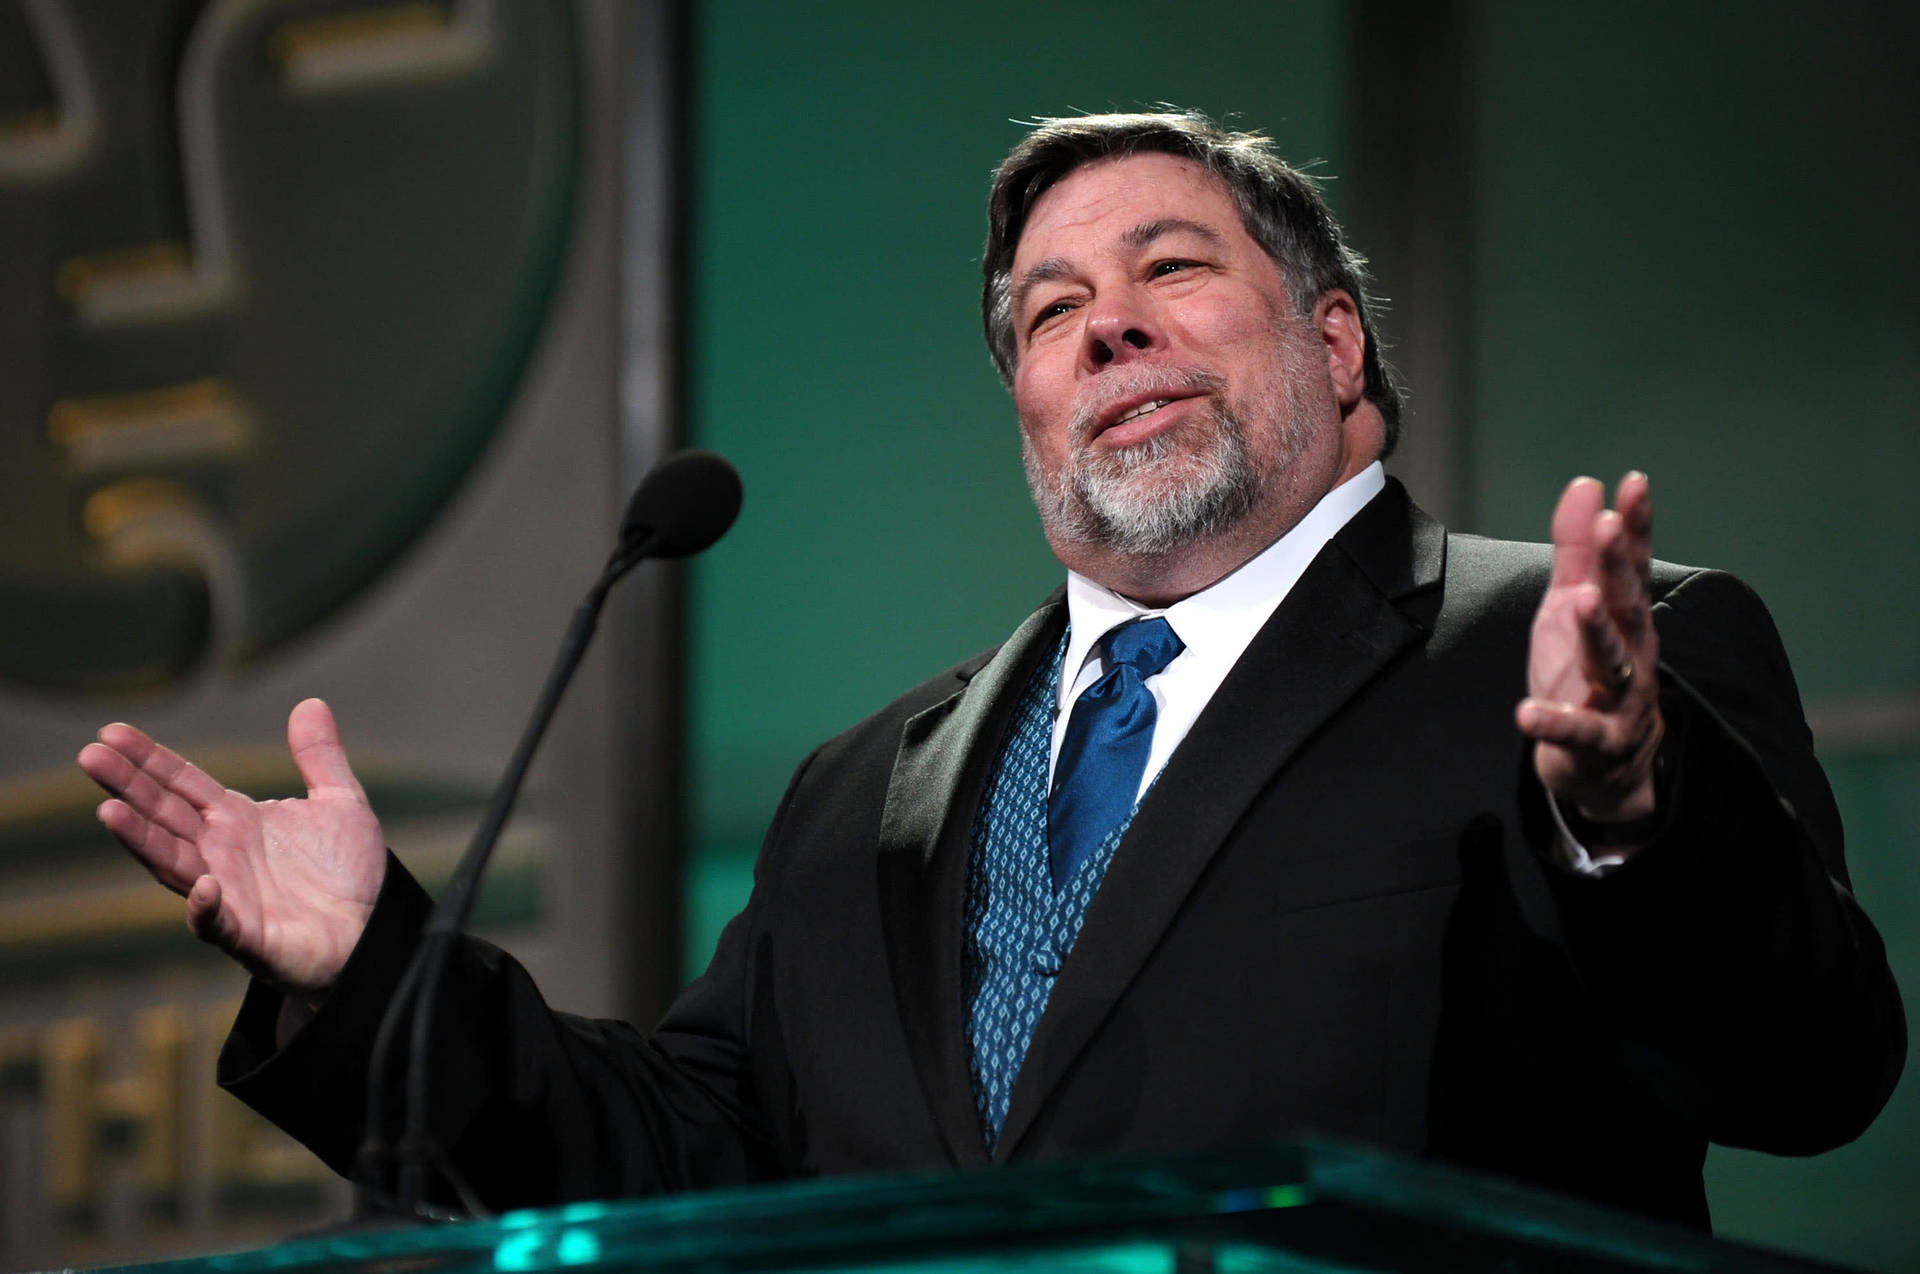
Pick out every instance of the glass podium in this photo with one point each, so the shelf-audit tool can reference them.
(1298, 1207)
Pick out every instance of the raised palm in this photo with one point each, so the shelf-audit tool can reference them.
(1592, 703)
(285, 887)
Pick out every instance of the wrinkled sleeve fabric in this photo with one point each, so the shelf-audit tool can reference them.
(1745, 984)
(529, 1106)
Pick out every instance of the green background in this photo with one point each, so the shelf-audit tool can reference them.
(1691, 251)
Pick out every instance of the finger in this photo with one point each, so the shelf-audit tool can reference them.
(170, 860)
(1573, 519)
(1634, 499)
(166, 767)
(314, 739)
(209, 921)
(1578, 729)
(1622, 582)
(107, 767)
(1605, 658)
(140, 791)
(144, 831)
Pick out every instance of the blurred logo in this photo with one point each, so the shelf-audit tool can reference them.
(271, 272)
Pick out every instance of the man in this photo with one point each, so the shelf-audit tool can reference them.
(1240, 835)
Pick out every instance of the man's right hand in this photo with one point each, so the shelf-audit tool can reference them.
(284, 887)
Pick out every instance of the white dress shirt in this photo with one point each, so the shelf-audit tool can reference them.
(1216, 624)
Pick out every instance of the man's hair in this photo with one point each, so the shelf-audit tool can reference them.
(1280, 207)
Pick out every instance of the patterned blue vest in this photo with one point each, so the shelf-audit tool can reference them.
(1018, 930)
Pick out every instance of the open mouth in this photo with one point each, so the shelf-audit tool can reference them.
(1138, 422)
(1144, 409)
(1129, 407)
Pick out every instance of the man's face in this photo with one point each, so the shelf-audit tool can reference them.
(1164, 384)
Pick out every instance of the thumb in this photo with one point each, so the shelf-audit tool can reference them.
(314, 740)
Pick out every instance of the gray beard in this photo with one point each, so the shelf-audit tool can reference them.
(1173, 490)
(1127, 501)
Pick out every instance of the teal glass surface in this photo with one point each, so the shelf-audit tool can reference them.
(1294, 1206)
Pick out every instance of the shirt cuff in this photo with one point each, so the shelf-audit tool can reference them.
(1573, 855)
(1572, 833)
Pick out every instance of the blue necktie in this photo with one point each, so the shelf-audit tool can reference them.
(1105, 749)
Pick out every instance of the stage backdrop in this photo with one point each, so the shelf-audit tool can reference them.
(309, 368)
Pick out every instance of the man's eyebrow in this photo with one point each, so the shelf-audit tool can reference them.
(1041, 272)
(1146, 232)
(1138, 237)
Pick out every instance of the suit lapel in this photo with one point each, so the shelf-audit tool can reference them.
(946, 754)
(1346, 619)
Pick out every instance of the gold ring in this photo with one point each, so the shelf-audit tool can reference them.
(1622, 678)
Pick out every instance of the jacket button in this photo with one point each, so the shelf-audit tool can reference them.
(1046, 962)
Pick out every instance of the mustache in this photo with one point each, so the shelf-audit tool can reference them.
(1140, 378)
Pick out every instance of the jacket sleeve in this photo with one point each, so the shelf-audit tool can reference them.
(1747, 986)
(529, 1106)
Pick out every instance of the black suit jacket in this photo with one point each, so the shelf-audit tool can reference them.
(1336, 910)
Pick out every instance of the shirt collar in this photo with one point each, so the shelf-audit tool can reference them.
(1222, 618)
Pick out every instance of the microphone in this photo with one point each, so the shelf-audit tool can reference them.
(682, 506)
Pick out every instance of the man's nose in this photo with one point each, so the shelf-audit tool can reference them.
(1116, 333)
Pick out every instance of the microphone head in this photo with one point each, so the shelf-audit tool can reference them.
(686, 503)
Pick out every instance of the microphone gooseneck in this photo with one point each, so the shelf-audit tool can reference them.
(682, 506)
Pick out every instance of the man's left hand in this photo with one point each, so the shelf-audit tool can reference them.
(1593, 694)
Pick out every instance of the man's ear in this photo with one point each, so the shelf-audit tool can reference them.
(1337, 320)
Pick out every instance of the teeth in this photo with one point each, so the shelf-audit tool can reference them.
(1143, 409)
